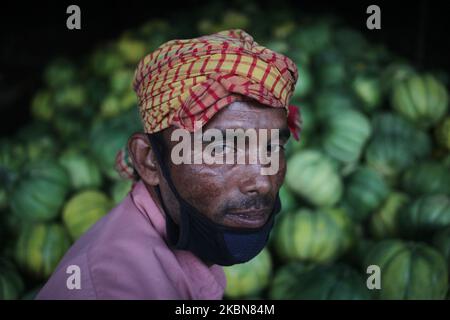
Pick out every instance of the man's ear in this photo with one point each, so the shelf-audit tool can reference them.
(144, 160)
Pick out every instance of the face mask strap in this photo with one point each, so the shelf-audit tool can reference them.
(181, 239)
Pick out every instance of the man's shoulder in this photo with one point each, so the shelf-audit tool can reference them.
(121, 256)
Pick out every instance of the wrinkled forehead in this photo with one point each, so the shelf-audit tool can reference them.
(248, 115)
(245, 115)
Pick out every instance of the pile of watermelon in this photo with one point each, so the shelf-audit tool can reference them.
(368, 183)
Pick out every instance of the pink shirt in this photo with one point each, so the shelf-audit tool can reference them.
(125, 256)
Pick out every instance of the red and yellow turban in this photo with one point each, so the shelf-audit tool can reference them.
(190, 80)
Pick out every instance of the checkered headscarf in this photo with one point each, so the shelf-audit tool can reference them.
(188, 81)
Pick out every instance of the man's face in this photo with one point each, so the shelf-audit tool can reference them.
(237, 194)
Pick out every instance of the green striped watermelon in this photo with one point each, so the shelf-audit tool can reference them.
(331, 68)
(394, 73)
(384, 222)
(313, 176)
(319, 236)
(427, 178)
(312, 38)
(442, 242)
(443, 133)
(83, 171)
(40, 247)
(288, 200)
(11, 284)
(389, 150)
(40, 192)
(60, 72)
(109, 136)
(304, 84)
(42, 107)
(368, 90)
(332, 102)
(73, 96)
(131, 49)
(105, 61)
(119, 190)
(250, 278)
(409, 270)
(330, 282)
(344, 134)
(284, 285)
(421, 98)
(365, 191)
(83, 210)
(424, 216)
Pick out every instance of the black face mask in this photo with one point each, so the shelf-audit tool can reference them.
(211, 242)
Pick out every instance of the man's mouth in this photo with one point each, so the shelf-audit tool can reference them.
(251, 218)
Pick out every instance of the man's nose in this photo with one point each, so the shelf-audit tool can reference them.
(252, 182)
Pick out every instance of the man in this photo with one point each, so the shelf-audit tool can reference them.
(182, 221)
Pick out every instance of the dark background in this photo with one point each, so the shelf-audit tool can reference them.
(33, 33)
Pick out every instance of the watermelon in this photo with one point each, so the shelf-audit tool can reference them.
(368, 90)
(11, 284)
(109, 136)
(306, 116)
(331, 68)
(3, 198)
(284, 285)
(331, 282)
(42, 106)
(442, 242)
(235, 19)
(307, 119)
(312, 38)
(310, 236)
(12, 155)
(424, 216)
(288, 200)
(284, 30)
(82, 170)
(119, 190)
(40, 193)
(105, 61)
(389, 151)
(351, 43)
(331, 102)
(344, 134)
(358, 253)
(393, 74)
(365, 192)
(122, 80)
(443, 133)
(83, 210)
(250, 278)
(409, 270)
(40, 247)
(313, 176)
(304, 84)
(383, 223)
(70, 97)
(38, 142)
(131, 49)
(60, 73)
(110, 106)
(278, 46)
(420, 98)
(427, 178)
